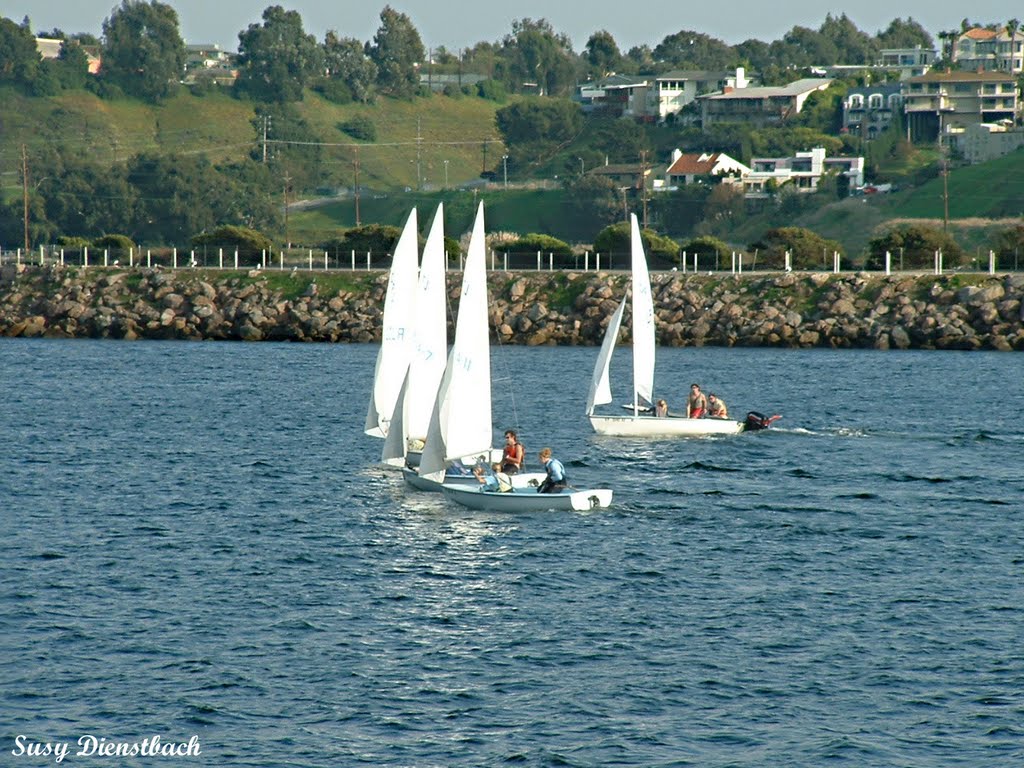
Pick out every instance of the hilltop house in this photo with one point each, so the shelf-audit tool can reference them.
(911, 62)
(702, 168)
(49, 48)
(206, 61)
(802, 173)
(868, 111)
(629, 175)
(437, 82)
(990, 50)
(761, 106)
(616, 95)
(674, 90)
(940, 103)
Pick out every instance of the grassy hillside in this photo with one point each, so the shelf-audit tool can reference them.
(428, 130)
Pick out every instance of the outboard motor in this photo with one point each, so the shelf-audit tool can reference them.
(756, 421)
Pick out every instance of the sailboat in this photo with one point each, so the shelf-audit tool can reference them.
(460, 430)
(428, 353)
(641, 422)
(396, 334)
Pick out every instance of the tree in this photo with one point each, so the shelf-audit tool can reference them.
(687, 49)
(19, 59)
(678, 212)
(852, 45)
(617, 140)
(754, 54)
(177, 197)
(802, 47)
(72, 65)
(346, 61)
(143, 53)
(535, 127)
(602, 54)
(397, 51)
(89, 199)
(640, 60)
(905, 34)
(535, 56)
(595, 199)
(276, 59)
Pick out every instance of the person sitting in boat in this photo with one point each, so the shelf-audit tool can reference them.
(696, 403)
(661, 409)
(495, 480)
(717, 408)
(556, 480)
(513, 455)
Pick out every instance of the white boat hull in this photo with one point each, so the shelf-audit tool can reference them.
(653, 426)
(527, 499)
(526, 480)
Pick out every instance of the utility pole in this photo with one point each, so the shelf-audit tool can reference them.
(419, 150)
(484, 168)
(945, 193)
(287, 181)
(643, 184)
(357, 186)
(24, 193)
(266, 129)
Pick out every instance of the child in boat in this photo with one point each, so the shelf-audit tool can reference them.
(556, 481)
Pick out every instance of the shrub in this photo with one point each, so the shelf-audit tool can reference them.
(360, 127)
(114, 243)
(806, 247)
(335, 91)
(917, 244)
(249, 242)
(709, 250)
(661, 251)
(492, 90)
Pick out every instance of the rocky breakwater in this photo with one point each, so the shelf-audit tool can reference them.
(793, 310)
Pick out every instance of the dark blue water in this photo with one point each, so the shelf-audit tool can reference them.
(196, 542)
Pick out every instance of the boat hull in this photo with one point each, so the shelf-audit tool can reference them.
(652, 426)
(527, 499)
(526, 480)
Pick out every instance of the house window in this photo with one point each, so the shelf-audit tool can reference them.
(875, 101)
(856, 101)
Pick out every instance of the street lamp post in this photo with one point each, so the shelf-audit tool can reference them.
(581, 165)
(504, 165)
(446, 174)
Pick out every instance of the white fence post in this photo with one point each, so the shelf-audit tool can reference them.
(991, 262)
(538, 261)
(85, 257)
(888, 263)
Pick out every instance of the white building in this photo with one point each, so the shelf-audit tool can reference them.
(802, 173)
(674, 90)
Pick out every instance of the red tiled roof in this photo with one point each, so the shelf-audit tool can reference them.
(694, 165)
(980, 33)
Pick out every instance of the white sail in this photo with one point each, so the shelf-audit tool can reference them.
(600, 386)
(460, 423)
(643, 321)
(430, 333)
(396, 334)
(397, 438)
